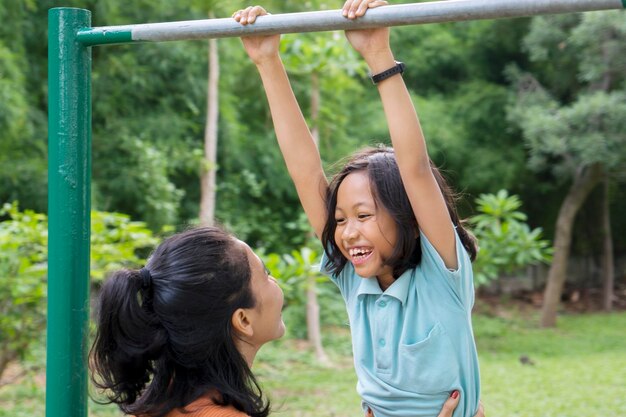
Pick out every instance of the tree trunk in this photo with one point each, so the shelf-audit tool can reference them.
(608, 266)
(314, 332)
(584, 181)
(209, 163)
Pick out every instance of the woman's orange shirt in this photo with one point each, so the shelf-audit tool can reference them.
(204, 407)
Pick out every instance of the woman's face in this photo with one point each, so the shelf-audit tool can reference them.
(365, 233)
(266, 316)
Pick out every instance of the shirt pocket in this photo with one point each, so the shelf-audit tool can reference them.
(429, 366)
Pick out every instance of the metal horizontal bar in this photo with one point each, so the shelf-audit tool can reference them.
(394, 15)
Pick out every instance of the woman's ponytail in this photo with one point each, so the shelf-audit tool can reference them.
(130, 338)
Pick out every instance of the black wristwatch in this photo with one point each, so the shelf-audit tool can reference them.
(397, 69)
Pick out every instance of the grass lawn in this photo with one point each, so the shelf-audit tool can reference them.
(578, 370)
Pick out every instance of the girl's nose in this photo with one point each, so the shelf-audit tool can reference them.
(349, 231)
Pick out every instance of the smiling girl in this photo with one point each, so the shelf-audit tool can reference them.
(394, 244)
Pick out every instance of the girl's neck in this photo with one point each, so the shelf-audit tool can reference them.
(385, 281)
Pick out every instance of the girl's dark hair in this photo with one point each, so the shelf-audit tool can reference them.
(162, 346)
(388, 191)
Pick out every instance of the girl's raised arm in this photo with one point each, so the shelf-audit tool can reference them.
(406, 134)
(294, 137)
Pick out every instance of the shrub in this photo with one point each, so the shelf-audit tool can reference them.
(506, 242)
(116, 242)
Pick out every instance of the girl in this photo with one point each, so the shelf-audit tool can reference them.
(179, 336)
(394, 244)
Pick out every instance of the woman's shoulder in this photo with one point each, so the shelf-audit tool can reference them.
(204, 407)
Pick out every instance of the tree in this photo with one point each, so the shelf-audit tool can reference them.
(209, 166)
(608, 267)
(577, 134)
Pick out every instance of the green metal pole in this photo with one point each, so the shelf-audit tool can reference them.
(69, 170)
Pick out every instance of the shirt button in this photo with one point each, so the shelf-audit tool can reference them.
(382, 304)
(381, 342)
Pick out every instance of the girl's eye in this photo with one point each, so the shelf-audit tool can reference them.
(364, 216)
(340, 220)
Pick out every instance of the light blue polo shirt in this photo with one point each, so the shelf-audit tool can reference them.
(413, 343)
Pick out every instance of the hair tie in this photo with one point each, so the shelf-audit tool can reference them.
(146, 278)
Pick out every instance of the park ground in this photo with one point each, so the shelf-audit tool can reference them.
(575, 370)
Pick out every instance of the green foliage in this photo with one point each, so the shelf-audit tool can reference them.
(136, 180)
(22, 153)
(294, 272)
(23, 247)
(149, 109)
(116, 242)
(328, 54)
(506, 242)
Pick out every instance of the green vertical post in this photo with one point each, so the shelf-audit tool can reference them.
(69, 171)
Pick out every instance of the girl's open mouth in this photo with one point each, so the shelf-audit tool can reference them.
(359, 255)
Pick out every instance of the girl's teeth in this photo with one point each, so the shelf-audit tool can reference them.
(359, 252)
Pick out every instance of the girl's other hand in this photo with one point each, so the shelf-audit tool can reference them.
(367, 42)
(259, 48)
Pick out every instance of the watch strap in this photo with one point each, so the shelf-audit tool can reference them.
(397, 69)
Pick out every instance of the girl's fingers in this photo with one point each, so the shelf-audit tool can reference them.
(377, 3)
(254, 12)
(346, 8)
(352, 7)
(249, 14)
(360, 11)
(245, 15)
(357, 8)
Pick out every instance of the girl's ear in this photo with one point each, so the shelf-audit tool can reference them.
(241, 323)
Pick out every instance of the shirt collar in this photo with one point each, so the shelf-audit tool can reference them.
(399, 289)
(368, 286)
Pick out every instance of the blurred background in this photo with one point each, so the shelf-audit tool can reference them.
(524, 116)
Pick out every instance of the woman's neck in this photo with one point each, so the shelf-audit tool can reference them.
(247, 350)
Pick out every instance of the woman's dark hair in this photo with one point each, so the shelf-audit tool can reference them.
(163, 345)
(388, 191)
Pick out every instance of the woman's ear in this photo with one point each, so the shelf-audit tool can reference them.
(241, 323)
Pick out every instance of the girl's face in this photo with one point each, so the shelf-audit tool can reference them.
(365, 233)
(266, 316)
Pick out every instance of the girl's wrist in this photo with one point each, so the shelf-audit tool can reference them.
(268, 61)
(379, 61)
